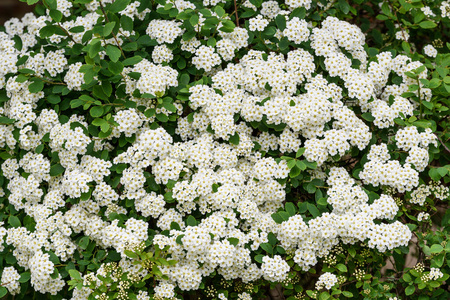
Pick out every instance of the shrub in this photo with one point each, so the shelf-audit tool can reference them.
(225, 149)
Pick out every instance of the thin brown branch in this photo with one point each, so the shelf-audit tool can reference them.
(235, 11)
(66, 32)
(443, 145)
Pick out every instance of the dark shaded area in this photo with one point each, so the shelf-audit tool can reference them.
(13, 8)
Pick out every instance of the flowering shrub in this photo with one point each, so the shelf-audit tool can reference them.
(225, 149)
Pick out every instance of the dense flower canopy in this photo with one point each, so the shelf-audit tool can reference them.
(164, 141)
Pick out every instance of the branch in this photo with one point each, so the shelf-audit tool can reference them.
(445, 147)
(68, 34)
(235, 11)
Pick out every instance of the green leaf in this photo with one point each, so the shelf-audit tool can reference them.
(428, 105)
(313, 210)
(311, 188)
(234, 139)
(291, 163)
(75, 274)
(127, 23)
(113, 52)
(179, 239)
(194, 20)
(56, 170)
(119, 5)
(24, 277)
(169, 106)
(300, 152)
(84, 242)
(191, 221)
(39, 149)
(280, 20)
(322, 201)
(343, 4)
(5, 120)
(228, 26)
(299, 12)
(36, 86)
(301, 165)
(53, 99)
(131, 254)
(233, 241)
(442, 171)
(130, 47)
(342, 268)
(272, 238)
(189, 34)
(150, 112)
(51, 4)
(77, 29)
(267, 247)
(162, 118)
(280, 250)
(434, 174)
(427, 24)
(352, 252)
(108, 28)
(290, 208)
(115, 67)
(3, 291)
(94, 48)
(219, 11)
(368, 117)
(295, 171)
(436, 248)
(47, 31)
(132, 60)
(14, 221)
(168, 197)
(56, 15)
(310, 165)
(277, 218)
(181, 63)
(258, 258)
(410, 290)
(324, 296)
(96, 111)
(347, 294)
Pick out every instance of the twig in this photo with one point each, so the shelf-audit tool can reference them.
(68, 34)
(235, 11)
(445, 147)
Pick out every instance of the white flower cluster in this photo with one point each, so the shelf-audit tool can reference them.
(427, 11)
(420, 194)
(154, 79)
(257, 23)
(74, 78)
(430, 51)
(205, 58)
(274, 269)
(164, 31)
(326, 280)
(10, 280)
(445, 9)
(162, 54)
(434, 274)
(296, 30)
(423, 216)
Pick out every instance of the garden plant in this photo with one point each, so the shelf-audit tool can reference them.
(223, 149)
